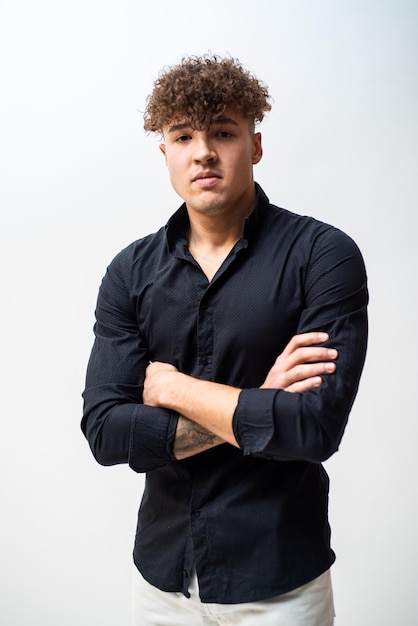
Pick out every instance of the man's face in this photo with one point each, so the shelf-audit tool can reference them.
(212, 169)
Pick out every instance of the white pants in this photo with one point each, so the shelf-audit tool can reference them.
(310, 605)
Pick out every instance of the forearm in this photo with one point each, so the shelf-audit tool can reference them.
(208, 408)
(305, 426)
(191, 439)
(127, 432)
(209, 405)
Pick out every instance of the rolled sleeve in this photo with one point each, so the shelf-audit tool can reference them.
(309, 426)
(152, 440)
(252, 422)
(116, 423)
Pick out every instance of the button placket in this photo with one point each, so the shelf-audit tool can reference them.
(205, 338)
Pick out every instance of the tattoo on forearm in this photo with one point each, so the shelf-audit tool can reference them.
(191, 437)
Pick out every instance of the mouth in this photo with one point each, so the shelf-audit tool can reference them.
(206, 179)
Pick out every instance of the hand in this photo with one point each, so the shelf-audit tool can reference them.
(163, 386)
(302, 364)
(205, 408)
(158, 377)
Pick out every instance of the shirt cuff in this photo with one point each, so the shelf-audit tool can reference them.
(253, 423)
(152, 438)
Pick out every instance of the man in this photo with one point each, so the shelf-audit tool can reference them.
(229, 347)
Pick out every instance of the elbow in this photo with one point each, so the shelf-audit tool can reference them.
(313, 444)
(103, 457)
(319, 428)
(312, 452)
(319, 454)
(319, 444)
(106, 453)
(105, 449)
(108, 457)
(319, 441)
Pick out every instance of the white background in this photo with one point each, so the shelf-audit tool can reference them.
(80, 180)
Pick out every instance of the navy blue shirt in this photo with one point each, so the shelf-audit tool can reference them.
(254, 520)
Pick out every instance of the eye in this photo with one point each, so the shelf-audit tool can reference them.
(224, 134)
(183, 138)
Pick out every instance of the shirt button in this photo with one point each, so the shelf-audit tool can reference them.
(197, 513)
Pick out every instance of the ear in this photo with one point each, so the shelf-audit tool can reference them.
(257, 148)
(163, 150)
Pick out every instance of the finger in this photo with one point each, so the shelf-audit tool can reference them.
(305, 339)
(304, 355)
(311, 355)
(306, 371)
(305, 385)
(279, 379)
(160, 366)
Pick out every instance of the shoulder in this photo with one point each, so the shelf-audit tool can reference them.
(137, 259)
(314, 234)
(140, 250)
(315, 247)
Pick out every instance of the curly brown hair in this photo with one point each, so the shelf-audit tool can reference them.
(201, 88)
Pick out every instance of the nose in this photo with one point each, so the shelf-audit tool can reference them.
(204, 151)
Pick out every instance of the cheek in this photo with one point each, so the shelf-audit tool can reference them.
(176, 178)
(175, 165)
(244, 165)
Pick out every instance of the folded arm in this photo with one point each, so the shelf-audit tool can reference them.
(119, 427)
(125, 423)
(207, 408)
(307, 423)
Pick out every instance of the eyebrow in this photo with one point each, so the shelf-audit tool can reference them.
(219, 121)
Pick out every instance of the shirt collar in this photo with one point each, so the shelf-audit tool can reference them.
(178, 224)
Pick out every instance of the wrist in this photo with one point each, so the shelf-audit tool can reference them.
(172, 390)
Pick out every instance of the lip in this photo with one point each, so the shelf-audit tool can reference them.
(206, 179)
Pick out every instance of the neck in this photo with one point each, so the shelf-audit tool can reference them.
(214, 233)
(212, 237)
(221, 228)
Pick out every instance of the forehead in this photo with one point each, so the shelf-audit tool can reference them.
(231, 117)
